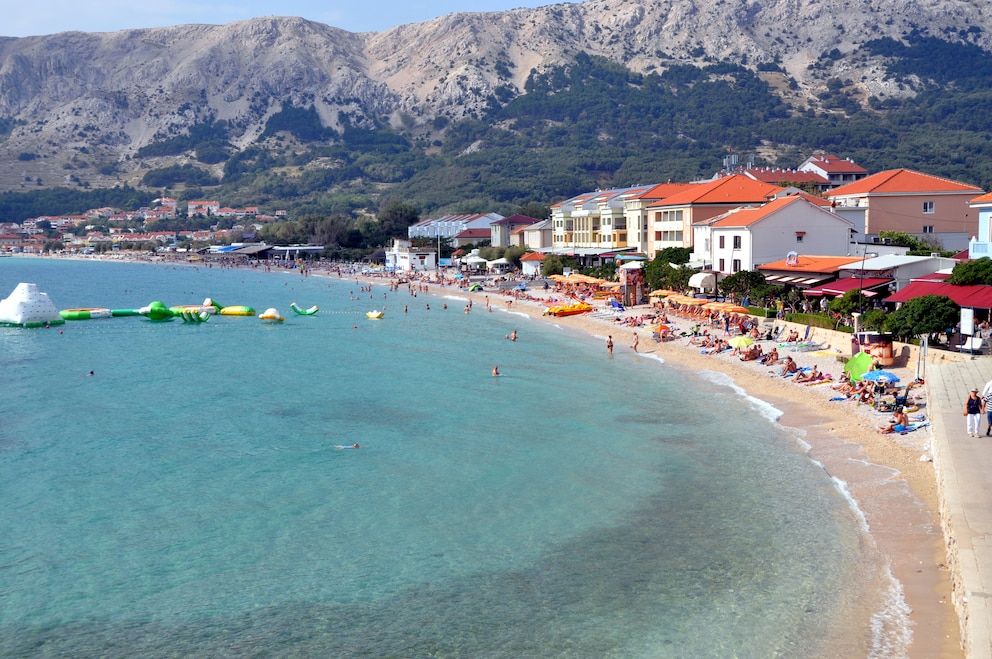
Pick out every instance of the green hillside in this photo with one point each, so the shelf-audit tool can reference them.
(591, 124)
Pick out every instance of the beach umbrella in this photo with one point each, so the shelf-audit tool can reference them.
(880, 376)
(740, 341)
(858, 365)
(661, 292)
(734, 308)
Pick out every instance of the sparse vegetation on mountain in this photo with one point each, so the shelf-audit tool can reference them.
(502, 110)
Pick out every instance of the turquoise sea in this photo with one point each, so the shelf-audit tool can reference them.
(188, 499)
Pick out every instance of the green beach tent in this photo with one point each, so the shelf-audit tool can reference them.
(858, 365)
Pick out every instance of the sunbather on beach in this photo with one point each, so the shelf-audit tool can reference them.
(718, 346)
(898, 423)
(809, 376)
(701, 340)
(865, 392)
(788, 367)
(752, 353)
(845, 386)
(793, 337)
(771, 358)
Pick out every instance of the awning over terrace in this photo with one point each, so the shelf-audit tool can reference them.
(841, 286)
(803, 279)
(976, 297)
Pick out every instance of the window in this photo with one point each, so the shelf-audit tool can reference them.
(722, 264)
(928, 207)
(799, 237)
(720, 243)
(737, 243)
(927, 228)
(737, 265)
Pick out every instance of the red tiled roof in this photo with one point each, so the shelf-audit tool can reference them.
(933, 276)
(834, 165)
(474, 233)
(984, 199)
(777, 175)
(744, 217)
(737, 189)
(811, 264)
(532, 256)
(813, 199)
(662, 190)
(747, 216)
(901, 181)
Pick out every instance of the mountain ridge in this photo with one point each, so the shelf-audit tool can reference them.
(75, 100)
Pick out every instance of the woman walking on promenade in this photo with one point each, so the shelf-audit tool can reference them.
(973, 411)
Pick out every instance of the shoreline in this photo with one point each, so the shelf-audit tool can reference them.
(890, 486)
(883, 474)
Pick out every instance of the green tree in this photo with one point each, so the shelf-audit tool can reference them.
(513, 254)
(970, 273)
(917, 246)
(675, 255)
(535, 209)
(874, 320)
(552, 265)
(742, 284)
(929, 314)
(394, 220)
(848, 303)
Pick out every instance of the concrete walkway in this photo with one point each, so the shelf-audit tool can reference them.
(964, 475)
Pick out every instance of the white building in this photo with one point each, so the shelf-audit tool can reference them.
(449, 226)
(900, 269)
(744, 238)
(403, 257)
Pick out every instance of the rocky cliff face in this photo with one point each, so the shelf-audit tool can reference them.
(79, 98)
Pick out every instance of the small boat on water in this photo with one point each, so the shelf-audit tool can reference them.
(375, 315)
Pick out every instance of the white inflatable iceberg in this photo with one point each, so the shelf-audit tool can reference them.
(26, 306)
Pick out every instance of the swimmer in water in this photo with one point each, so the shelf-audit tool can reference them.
(496, 370)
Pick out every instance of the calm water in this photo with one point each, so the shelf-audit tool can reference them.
(188, 499)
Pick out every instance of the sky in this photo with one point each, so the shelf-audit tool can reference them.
(21, 19)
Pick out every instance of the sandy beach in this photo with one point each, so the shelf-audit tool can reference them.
(889, 476)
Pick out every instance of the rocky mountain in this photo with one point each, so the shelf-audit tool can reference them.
(77, 107)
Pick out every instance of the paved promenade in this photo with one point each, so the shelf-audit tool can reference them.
(964, 472)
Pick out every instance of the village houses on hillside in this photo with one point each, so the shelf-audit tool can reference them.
(744, 218)
(28, 236)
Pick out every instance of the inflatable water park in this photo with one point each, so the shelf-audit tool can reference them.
(27, 306)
